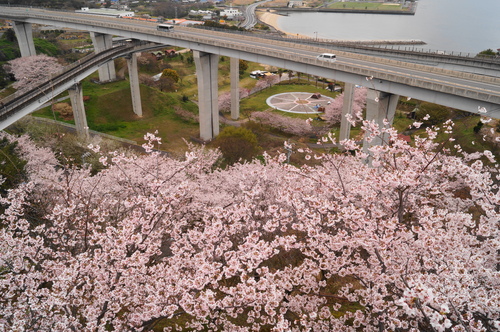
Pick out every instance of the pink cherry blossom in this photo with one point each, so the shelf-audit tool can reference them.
(408, 242)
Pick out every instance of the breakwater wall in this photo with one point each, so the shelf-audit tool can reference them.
(285, 10)
(343, 42)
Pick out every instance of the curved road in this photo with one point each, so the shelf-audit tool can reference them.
(250, 17)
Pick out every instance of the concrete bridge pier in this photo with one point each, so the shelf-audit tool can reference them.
(24, 35)
(235, 89)
(345, 126)
(103, 42)
(206, 72)
(135, 90)
(76, 97)
(380, 106)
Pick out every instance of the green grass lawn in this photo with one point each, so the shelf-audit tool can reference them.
(109, 110)
(257, 101)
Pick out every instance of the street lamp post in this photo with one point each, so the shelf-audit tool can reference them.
(316, 35)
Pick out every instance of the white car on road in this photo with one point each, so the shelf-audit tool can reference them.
(329, 57)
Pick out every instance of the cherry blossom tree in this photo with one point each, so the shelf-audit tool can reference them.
(265, 82)
(333, 111)
(31, 71)
(286, 124)
(406, 242)
(225, 99)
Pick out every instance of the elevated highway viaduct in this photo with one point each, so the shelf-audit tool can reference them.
(22, 103)
(387, 79)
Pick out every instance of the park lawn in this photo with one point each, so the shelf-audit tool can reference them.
(401, 122)
(245, 80)
(118, 118)
(469, 141)
(188, 86)
(257, 101)
(72, 43)
(109, 110)
(356, 133)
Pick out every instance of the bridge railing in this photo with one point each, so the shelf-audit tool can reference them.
(417, 81)
(401, 47)
(76, 18)
(21, 98)
(329, 43)
(395, 63)
(115, 26)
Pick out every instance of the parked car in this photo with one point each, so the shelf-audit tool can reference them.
(258, 73)
(329, 57)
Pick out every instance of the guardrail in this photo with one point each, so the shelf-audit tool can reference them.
(400, 46)
(395, 63)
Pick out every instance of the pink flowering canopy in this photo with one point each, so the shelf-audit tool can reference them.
(333, 111)
(294, 126)
(224, 100)
(31, 71)
(397, 238)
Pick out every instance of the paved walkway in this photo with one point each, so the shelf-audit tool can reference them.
(299, 102)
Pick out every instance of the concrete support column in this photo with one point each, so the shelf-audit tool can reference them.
(24, 35)
(76, 97)
(206, 72)
(135, 90)
(380, 106)
(103, 42)
(235, 89)
(345, 126)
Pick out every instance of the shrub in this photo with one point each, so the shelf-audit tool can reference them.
(237, 143)
(478, 127)
(172, 74)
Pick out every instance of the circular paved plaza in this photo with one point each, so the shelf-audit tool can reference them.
(299, 102)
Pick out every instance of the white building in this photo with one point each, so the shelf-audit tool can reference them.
(205, 14)
(295, 3)
(230, 13)
(105, 12)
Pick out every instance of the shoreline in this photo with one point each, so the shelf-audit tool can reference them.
(270, 18)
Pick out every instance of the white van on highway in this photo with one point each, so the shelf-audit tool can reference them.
(164, 27)
(329, 57)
